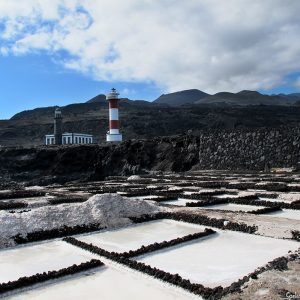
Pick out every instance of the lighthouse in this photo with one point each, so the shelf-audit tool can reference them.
(113, 135)
(58, 126)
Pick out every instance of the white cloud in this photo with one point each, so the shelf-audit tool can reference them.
(125, 92)
(297, 82)
(212, 45)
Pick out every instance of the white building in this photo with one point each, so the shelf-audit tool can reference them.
(70, 138)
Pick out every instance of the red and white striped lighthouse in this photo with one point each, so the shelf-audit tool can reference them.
(113, 135)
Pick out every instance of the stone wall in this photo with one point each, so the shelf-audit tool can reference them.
(252, 150)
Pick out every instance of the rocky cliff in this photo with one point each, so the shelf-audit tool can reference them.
(223, 149)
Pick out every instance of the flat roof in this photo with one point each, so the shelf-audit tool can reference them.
(67, 133)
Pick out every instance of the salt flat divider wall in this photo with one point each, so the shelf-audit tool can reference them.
(166, 244)
(26, 281)
(56, 233)
(21, 194)
(246, 200)
(197, 219)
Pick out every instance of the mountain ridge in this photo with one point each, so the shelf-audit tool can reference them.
(241, 98)
(181, 97)
(175, 99)
(247, 97)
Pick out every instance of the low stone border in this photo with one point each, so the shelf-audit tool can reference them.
(139, 193)
(261, 211)
(56, 233)
(42, 277)
(12, 205)
(206, 203)
(264, 203)
(168, 194)
(294, 188)
(162, 199)
(166, 244)
(212, 184)
(19, 211)
(247, 200)
(197, 219)
(296, 235)
(21, 194)
(127, 191)
(272, 186)
(212, 200)
(67, 200)
(266, 195)
(265, 210)
(142, 181)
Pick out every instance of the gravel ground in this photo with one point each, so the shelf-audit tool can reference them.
(272, 285)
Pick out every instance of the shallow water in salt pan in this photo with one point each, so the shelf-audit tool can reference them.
(270, 199)
(219, 259)
(179, 202)
(233, 207)
(226, 196)
(39, 258)
(286, 213)
(133, 237)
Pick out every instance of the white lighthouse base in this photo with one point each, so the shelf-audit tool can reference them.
(114, 137)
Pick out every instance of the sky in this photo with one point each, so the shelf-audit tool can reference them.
(56, 52)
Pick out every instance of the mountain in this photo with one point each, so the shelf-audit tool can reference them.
(244, 98)
(99, 98)
(181, 98)
(292, 97)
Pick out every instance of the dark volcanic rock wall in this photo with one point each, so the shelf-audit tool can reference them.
(224, 150)
(250, 149)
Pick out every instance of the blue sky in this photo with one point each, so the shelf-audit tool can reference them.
(34, 80)
(56, 52)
